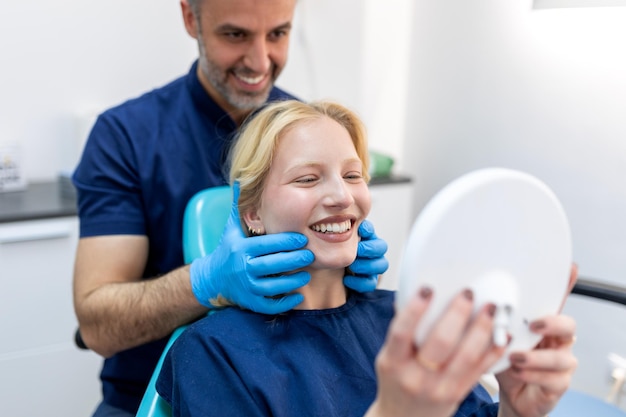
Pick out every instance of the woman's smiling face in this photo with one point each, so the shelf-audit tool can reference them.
(315, 186)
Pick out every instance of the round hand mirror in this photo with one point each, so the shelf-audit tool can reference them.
(500, 232)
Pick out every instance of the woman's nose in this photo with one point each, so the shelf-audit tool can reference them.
(338, 194)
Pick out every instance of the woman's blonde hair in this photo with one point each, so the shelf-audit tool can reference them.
(253, 152)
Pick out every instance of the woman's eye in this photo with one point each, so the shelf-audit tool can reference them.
(306, 180)
(353, 176)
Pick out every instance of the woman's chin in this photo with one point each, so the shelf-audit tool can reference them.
(334, 263)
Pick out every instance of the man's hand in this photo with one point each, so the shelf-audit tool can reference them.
(370, 260)
(247, 270)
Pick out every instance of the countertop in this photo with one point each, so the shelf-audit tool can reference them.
(38, 201)
(393, 179)
(45, 200)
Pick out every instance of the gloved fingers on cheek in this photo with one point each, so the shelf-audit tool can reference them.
(369, 266)
(366, 229)
(273, 286)
(361, 284)
(279, 263)
(277, 242)
(372, 248)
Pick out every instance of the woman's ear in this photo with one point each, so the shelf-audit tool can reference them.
(253, 222)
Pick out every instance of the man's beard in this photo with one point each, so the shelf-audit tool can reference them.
(241, 100)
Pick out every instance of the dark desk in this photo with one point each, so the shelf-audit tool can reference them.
(37, 201)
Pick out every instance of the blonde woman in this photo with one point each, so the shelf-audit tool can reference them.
(303, 167)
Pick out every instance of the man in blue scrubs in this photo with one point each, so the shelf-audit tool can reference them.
(143, 161)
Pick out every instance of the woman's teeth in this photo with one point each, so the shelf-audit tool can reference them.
(333, 227)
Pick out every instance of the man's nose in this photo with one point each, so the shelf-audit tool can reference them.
(258, 56)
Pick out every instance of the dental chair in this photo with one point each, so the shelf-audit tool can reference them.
(203, 222)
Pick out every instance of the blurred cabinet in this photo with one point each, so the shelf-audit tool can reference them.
(42, 373)
(391, 216)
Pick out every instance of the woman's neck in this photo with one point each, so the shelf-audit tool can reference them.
(325, 290)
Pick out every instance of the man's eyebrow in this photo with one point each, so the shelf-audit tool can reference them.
(284, 26)
(229, 27)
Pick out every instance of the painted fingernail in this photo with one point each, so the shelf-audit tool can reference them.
(425, 293)
(491, 310)
(537, 325)
(468, 294)
(517, 358)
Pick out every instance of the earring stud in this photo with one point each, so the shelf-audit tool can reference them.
(254, 232)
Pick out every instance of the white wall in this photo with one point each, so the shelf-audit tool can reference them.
(65, 61)
(357, 52)
(496, 83)
(66, 58)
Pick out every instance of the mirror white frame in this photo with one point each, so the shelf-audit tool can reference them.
(504, 234)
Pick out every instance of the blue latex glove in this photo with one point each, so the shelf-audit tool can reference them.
(240, 268)
(370, 260)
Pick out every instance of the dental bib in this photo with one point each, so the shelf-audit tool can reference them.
(503, 234)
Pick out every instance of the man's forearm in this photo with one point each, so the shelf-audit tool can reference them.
(119, 316)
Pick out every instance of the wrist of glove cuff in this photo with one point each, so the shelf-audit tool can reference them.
(200, 286)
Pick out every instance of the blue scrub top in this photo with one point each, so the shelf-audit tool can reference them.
(300, 363)
(142, 162)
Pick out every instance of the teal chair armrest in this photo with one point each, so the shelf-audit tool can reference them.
(205, 217)
(152, 405)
